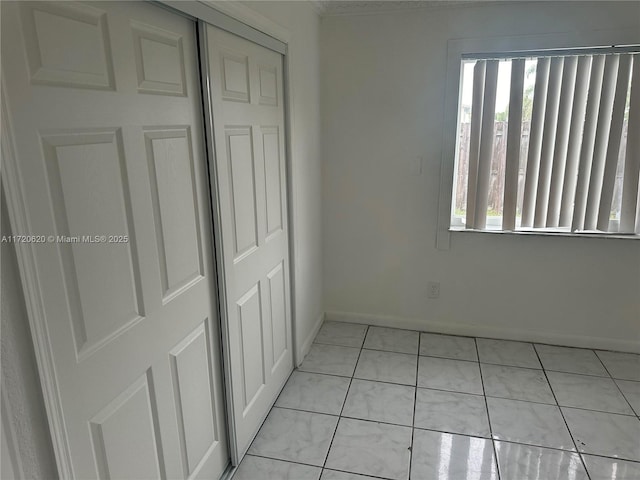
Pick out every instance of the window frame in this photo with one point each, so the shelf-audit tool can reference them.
(461, 48)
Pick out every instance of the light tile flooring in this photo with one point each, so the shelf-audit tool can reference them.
(381, 403)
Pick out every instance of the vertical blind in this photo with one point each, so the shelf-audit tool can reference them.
(581, 105)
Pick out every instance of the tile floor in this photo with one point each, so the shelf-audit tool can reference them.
(380, 403)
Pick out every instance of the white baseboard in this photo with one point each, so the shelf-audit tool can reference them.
(306, 345)
(422, 325)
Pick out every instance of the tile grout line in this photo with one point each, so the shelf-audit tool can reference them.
(415, 405)
(545, 371)
(584, 465)
(324, 464)
(464, 393)
(486, 406)
(444, 431)
(637, 414)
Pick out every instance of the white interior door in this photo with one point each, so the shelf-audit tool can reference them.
(104, 102)
(248, 127)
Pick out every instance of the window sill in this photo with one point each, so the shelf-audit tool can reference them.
(587, 234)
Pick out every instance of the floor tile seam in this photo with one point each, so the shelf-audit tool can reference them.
(344, 402)
(626, 380)
(475, 338)
(335, 415)
(415, 406)
(603, 364)
(355, 473)
(371, 420)
(486, 406)
(522, 400)
(607, 368)
(282, 460)
(323, 373)
(318, 373)
(596, 410)
(511, 366)
(349, 417)
(501, 440)
(582, 454)
(563, 450)
(440, 357)
(449, 432)
(552, 404)
(386, 383)
(447, 358)
(535, 345)
(591, 375)
(623, 394)
(267, 415)
(335, 345)
(364, 347)
(450, 391)
(608, 376)
(383, 381)
(530, 368)
(575, 444)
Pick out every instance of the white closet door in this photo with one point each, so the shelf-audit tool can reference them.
(104, 103)
(248, 126)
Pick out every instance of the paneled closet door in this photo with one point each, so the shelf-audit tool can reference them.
(104, 103)
(248, 128)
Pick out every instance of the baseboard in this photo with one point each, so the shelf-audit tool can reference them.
(306, 345)
(422, 325)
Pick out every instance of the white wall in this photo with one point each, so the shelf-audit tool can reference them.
(383, 95)
(29, 454)
(303, 23)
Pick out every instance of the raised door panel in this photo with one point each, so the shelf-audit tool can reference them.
(249, 308)
(125, 435)
(159, 60)
(235, 77)
(91, 204)
(268, 77)
(175, 208)
(241, 168)
(193, 390)
(278, 313)
(272, 179)
(67, 44)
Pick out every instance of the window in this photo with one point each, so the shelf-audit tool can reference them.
(549, 141)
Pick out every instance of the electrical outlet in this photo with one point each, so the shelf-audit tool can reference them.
(433, 289)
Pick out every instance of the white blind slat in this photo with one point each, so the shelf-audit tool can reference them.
(514, 136)
(535, 140)
(613, 145)
(479, 71)
(548, 141)
(588, 142)
(575, 140)
(562, 140)
(602, 140)
(629, 209)
(486, 143)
